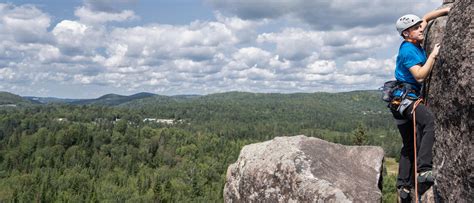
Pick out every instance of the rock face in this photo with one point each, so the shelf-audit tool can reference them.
(303, 169)
(434, 31)
(450, 98)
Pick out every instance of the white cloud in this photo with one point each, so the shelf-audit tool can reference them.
(229, 53)
(109, 5)
(256, 64)
(255, 73)
(155, 44)
(293, 43)
(48, 54)
(24, 24)
(325, 15)
(353, 79)
(75, 38)
(89, 16)
(237, 24)
(69, 32)
(6, 74)
(356, 43)
(323, 67)
(383, 67)
(244, 30)
(252, 57)
(189, 66)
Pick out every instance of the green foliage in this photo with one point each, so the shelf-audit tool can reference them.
(389, 189)
(360, 136)
(68, 153)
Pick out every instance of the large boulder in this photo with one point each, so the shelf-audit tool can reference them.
(304, 169)
(450, 98)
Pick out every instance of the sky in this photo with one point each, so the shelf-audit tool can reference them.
(88, 48)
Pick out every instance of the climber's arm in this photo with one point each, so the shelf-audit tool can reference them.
(418, 71)
(434, 14)
(421, 72)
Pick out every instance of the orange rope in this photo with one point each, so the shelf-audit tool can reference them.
(414, 143)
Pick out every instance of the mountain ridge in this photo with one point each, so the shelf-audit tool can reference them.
(7, 98)
(146, 98)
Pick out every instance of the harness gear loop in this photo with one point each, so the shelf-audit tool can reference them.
(414, 147)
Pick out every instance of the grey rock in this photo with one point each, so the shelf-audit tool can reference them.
(450, 98)
(428, 197)
(303, 169)
(434, 31)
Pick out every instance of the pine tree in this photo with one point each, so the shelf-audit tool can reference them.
(360, 136)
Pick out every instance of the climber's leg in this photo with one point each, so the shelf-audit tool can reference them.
(425, 136)
(405, 167)
(425, 140)
(425, 124)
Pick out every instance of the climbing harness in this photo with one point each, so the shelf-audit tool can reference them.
(417, 102)
(387, 90)
(398, 95)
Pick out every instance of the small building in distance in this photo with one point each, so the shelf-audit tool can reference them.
(158, 120)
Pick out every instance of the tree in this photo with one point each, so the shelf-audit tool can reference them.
(360, 136)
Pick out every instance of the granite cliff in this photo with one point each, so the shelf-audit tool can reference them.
(450, 98)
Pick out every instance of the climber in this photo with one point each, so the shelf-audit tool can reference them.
(412, 67)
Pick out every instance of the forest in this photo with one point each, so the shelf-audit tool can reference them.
(96, 153)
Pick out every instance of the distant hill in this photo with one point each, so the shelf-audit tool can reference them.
(112, 99)
(9, 98)
(357, 100)
(320, 106)
(158, 100)
(49, 100)
(314, 109)
(107, 100)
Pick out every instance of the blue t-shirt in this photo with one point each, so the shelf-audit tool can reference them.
(409, 55)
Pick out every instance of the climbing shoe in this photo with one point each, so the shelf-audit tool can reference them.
(404, 193)
(425, 181)
(426, 177)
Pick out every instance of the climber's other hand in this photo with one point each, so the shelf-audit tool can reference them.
(435, 50)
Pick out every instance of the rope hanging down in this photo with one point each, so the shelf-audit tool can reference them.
(414, 147)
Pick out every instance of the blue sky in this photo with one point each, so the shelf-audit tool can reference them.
(87, 48)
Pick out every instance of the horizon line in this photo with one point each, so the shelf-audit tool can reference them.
(155, 94)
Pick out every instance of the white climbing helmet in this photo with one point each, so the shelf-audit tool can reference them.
(406, 22)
